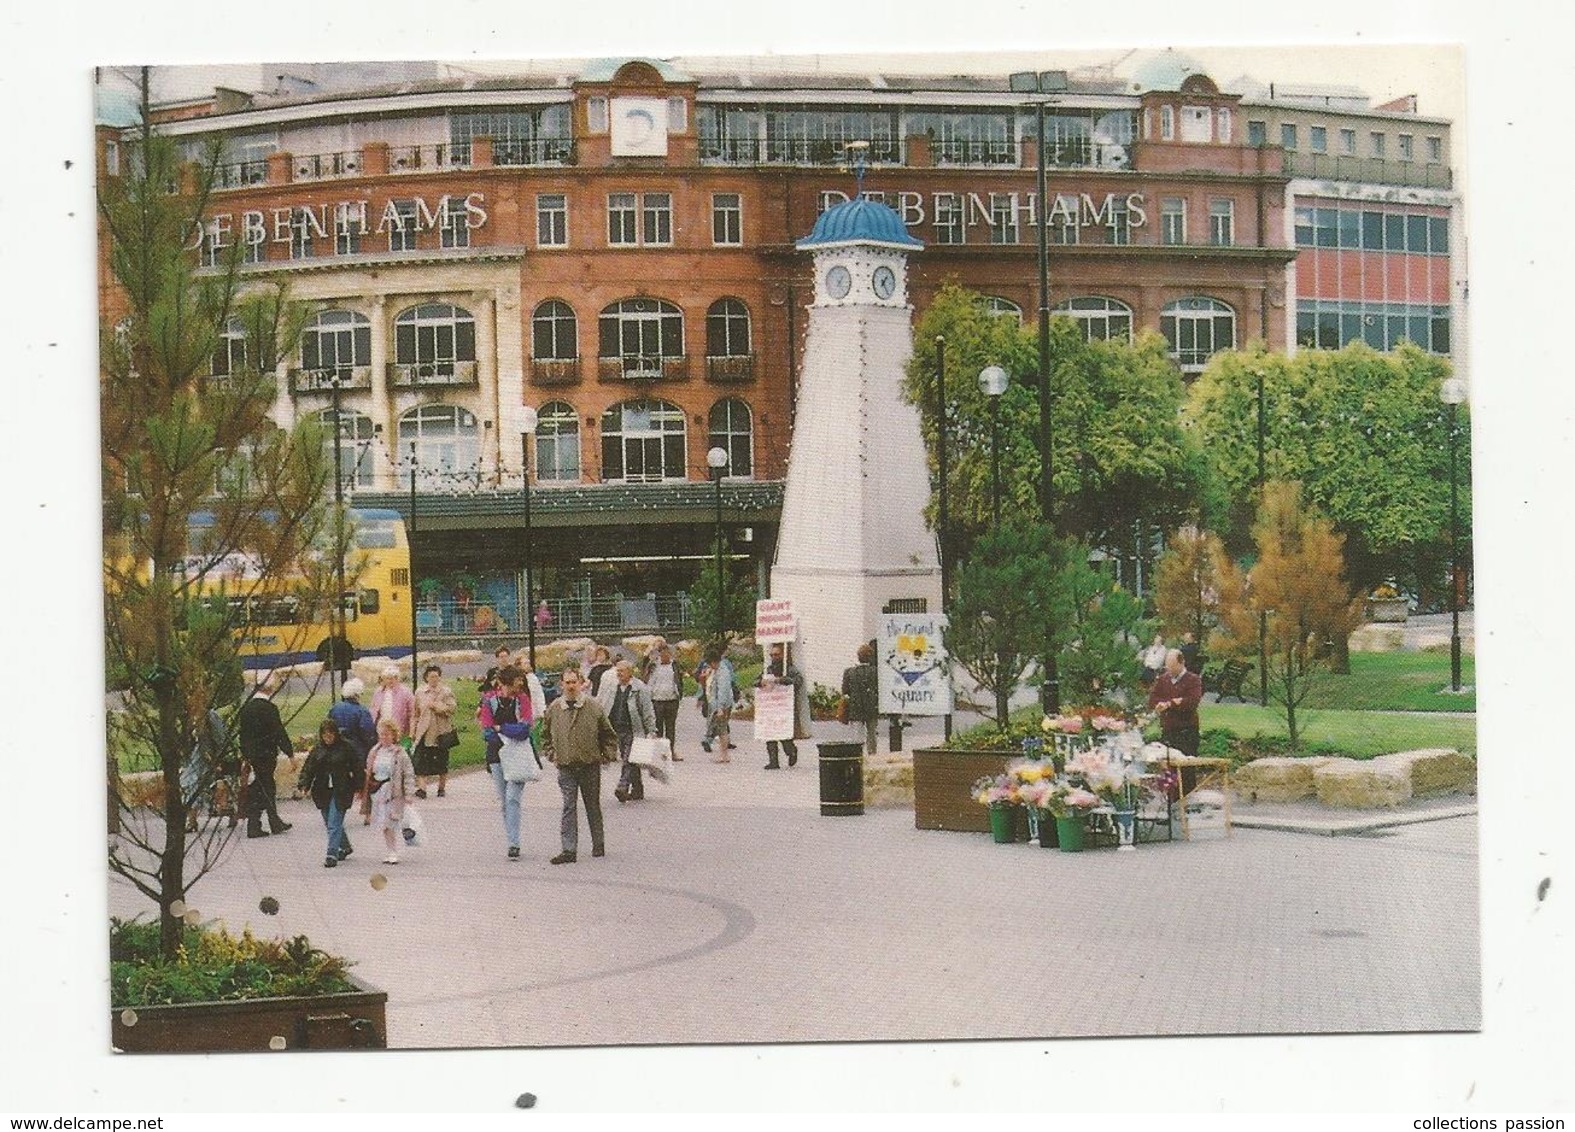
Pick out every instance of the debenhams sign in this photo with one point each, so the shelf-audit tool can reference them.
(353, 217)
(1067, 210)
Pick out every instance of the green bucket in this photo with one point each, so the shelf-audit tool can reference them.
(1069, 834)
(1001, 825)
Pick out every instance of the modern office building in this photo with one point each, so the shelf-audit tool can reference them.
(612, 245)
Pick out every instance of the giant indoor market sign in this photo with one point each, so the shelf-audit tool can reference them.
(353, 217)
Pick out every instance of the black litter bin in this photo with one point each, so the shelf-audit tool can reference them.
(841, 779)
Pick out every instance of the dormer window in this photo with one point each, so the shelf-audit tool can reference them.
(596, 114)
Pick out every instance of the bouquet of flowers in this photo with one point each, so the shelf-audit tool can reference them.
(995, 790)
(1073, 799)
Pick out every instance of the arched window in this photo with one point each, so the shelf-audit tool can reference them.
(1196, 327)
(448, 444)
(436, 343)
(1098, 317)
(555, 332)
(557, 443)
(643, 442)
(355, 446)
(727, 329)
(335, 343)
(230, 357)
(638, 334)
(999, 306)
(732, 430)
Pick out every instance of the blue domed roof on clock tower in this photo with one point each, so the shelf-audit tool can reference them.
(860, 221)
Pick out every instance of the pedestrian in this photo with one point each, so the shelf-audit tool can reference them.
(1153, 659)
(543, 616)
(332, 776)
(1191, 654)
(627, 702)
(1175, 694)
(601, 663)
(262, 740)
(393, 700)
(434, 733)
(720, 698)
(666, 681)
(354, 722)
(204, 770)
(780, 670)
(389, 773)
(860, 696)
(578, 738)
(501, 659)
(506, 713)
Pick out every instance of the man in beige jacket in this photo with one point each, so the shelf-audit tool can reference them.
(579, 738)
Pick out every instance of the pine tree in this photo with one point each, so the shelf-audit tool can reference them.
(1189, 582)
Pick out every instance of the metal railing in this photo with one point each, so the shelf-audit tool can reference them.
(1374, 170)
(730, 368)
(1085, 153)
(414, 158)
(642, 367)
(240, 174)
(555, 371)
(972, 152)
(350, 378)
(321, 166)
(424, 375)
(793, 151)
(540, 151)
(567, 617)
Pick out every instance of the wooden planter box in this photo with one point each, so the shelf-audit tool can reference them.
(942, 782)
(353, 1020)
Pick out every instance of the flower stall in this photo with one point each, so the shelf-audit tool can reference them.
(1084, 779)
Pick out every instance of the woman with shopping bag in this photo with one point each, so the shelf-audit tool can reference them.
(505, 716)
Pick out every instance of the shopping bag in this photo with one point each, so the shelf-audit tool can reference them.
(519, 761)
(652, 755)
(415, 829)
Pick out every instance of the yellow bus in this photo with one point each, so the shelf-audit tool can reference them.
(273, 625)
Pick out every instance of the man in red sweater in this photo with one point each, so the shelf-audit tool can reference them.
(1175, 694)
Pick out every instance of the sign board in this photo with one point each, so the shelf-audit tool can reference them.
(774, 621)
(914, 670)
(774, 712)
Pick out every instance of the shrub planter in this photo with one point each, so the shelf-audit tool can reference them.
(351, 1020)
(943, 781)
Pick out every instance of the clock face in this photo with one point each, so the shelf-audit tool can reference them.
(838, 282)
(885, 282)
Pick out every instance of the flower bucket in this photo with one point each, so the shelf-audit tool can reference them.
(1001, 825)
(1047, 834)
(1126, 829)
(1069, 833)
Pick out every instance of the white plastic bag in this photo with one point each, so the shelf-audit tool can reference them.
(518, 758)
(415, 830)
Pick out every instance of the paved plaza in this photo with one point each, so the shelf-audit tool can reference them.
(728, 910)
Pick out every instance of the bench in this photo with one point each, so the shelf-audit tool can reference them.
(1228, 679)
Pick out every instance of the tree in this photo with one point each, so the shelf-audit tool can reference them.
(1022, 586)
(738, 590)
(1189, 582)
(1298, 585)
(1005, 606)
(1364, 433)
(204, 500)
(1124, 466)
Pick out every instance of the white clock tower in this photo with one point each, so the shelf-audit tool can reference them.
(853, 541)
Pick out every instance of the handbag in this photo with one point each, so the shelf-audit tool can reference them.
(448, 740)
(519, 761)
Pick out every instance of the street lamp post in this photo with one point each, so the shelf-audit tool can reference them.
(1453, 394)
(528, 430)
(716, 460)
(993, 381)
(1043, 83)
(410, 539)
(943, 527)
(337, 631)
(1263, 615)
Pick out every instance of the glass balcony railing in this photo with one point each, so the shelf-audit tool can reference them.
(1373, 170)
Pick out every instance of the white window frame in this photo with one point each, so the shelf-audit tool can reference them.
(1318, 139)
(951, 219)
(656, 219)
(347, 331)
(1167, 123)
(1407, 147)
(1095, 315)
(546, 314)
(1347, 141)
(1222, 125)
(1435, 149)
(1289, 136)
(552, 220)
(998, 307)
(730, 218)
(1003, 220)
(728, 322)
(1196, 311)
(404, 239)
(730, 437)
(231, 348)
(656, 435)
(624, 208)
(559, 457)
(596, 114)
(1379, 142)
(677, 114)
(1170, 218)
(1222, 222)
(458, 458)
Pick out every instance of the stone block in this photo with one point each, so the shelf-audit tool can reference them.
(1276, 779)
(1378, 638)
(1435, 772)
(888, 781)
(1359, 785)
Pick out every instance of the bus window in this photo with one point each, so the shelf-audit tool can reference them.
(369, 601)
(374, 534)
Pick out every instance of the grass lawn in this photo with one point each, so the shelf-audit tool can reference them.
(1360, 734)
(1393, 681)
